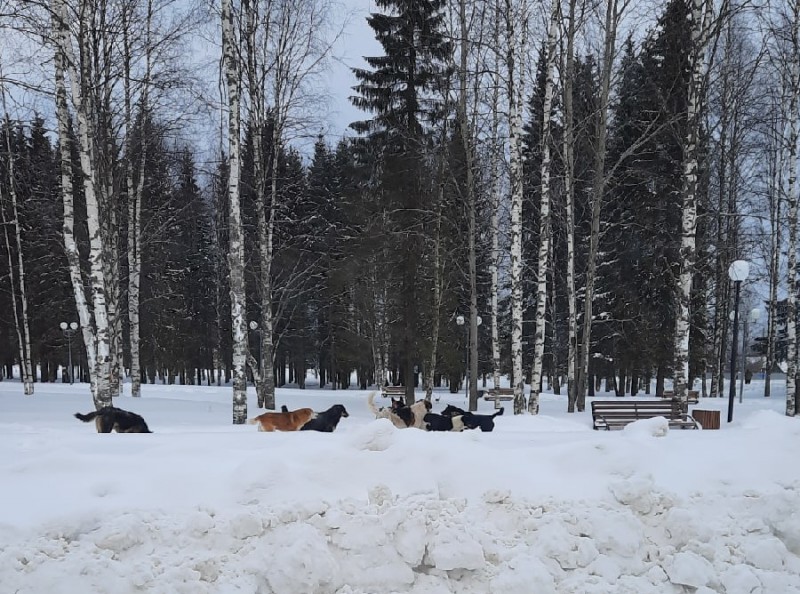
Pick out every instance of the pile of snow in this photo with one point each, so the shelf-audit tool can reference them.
(202, 506)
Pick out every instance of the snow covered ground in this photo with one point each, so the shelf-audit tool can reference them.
(541, 505)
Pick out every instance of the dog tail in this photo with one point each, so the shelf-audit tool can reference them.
(252, 421)
(371, 403)
(499, 412)
(86, 418)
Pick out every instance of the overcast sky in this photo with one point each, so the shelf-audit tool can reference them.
(357, 41)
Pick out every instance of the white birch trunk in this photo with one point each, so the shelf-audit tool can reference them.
(513, 88)
(544, 217)
(700, 19)
(569, 190)
(494, 168)
(82, 82)
(236, 249)
(70, 244)
(791, 207)
(775, 202)
(437, 282)
(135, 190)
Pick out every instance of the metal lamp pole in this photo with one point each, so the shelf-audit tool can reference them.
(69, 330)
(738, 272)
(254, 328)
(751, 318)
(460, 323)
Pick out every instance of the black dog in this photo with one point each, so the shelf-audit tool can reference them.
(434, 422)
(451, 411)
(112, 418)
(484, 422)
(326, 421)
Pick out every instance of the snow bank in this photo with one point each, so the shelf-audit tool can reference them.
(641, 541)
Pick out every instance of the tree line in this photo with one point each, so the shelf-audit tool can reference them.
(529, 193)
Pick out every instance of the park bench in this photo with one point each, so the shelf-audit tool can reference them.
(393, 391)
(498, 395)
(607, 414)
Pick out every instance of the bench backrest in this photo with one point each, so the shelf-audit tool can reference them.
(642, 409)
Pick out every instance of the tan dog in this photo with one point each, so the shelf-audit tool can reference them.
(283, 421)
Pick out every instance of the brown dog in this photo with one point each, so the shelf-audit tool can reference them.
(283, 421)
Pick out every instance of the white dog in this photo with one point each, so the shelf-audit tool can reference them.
(399, 414)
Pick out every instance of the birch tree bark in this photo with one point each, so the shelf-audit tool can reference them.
(700, 21)
(544, 215)
(514, 90)
(569, 190)
(775, 201)
(468, 144)
(236, 246)
(791, 208)
(494, 172)
(82, 74)
(134, 182)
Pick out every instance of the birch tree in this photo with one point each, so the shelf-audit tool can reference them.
(78, 62)
(514, 66)
(791, 208)
(569, 190)
(134, 183)
(544, 214)
(777, 146)
(701, 15)
(494, 192)
(236, 236)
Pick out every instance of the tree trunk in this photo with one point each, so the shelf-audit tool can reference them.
(598, 190)
(516, 173)
(569, 190)
(135, 189)
(791, 207)
(82, 82)
(544, 217)
(236, 248)
(700, 22)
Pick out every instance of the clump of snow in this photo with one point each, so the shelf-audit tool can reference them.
(655, 427)
(376, 436)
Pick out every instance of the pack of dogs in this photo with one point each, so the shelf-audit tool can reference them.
(417, 415)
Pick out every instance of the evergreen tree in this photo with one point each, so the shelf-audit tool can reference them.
(401, 91)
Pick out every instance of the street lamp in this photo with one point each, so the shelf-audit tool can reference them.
(460, 320)
(69, 331)
(254, 327)
(751, 318)
(738, 272)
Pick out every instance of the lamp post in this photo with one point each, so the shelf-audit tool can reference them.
(69, 331)
(460, 322)
(254, 327)
(751, 318)
(738, 272)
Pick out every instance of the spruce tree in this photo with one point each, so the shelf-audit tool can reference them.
(401, 90)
